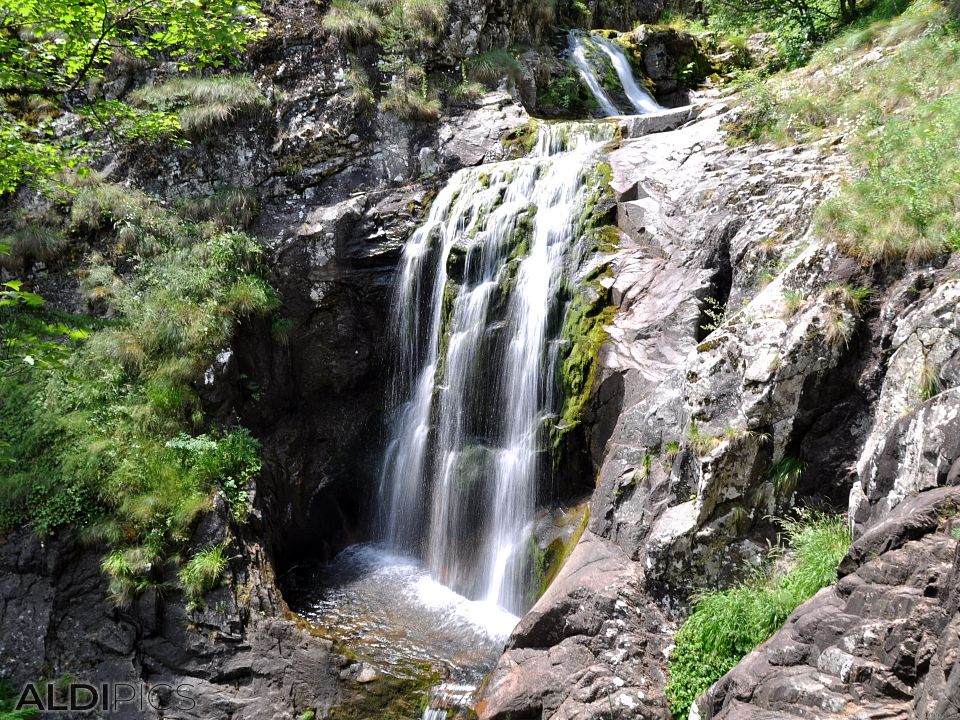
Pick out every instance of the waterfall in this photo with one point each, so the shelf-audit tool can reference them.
(640, 99)
(578, 52)
(580, 45)
(476, 307)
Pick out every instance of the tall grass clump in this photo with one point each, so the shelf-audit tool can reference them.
(725, 625)
(203, 104)
(202, 572)
(352, 22)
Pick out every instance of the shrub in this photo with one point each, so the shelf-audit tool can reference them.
(725, 625)
(107, 431)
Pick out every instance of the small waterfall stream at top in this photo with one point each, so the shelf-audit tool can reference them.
(476, 313)
(583, 48)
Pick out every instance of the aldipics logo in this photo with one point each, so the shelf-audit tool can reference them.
(105, 697)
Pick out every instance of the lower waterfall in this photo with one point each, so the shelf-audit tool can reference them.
(476, 315)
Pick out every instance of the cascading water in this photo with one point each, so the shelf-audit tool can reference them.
(640, 99)
(578, 53)
(476, 306)
(583, 48)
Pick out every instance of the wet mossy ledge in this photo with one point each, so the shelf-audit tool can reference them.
(589, 308)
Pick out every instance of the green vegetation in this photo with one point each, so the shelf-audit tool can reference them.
(785, 475)
(8, 701)
(405, 30)
(53, 49)
(100, 422)
(901, 115)
(203, 571)
(352, 22)
(930, 382)
(727, 624)
(566, 96)
(202, 104)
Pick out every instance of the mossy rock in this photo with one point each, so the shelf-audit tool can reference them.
(521, 141)
(390, 697)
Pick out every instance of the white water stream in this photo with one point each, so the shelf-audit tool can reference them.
(583, 47)
(459, 482)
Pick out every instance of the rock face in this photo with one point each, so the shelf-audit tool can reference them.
(239, 658)
(707, 381)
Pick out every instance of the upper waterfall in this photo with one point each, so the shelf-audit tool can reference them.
(477, 306)
(580, 45)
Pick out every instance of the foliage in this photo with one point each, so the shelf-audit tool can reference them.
(203, 571)
(908, 202)
(902, 117)
(930, 382)
(202, 104)
(352, 22)
(230, 207)
(798, 26)
(492, 65)
(108, 432)
(727, 624)
(360, 94)
(785, 475)
(565, 95)
(409, 28)
(52, 50)
(8, 701)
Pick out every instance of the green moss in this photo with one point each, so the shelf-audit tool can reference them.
(549, 562)
(521, 141)
(450, 292)
(583, 334)
(391, 697)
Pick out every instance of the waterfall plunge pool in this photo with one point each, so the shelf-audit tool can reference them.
(397, 616)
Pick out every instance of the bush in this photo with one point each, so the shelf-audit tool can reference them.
(107, 432)
(725, 625)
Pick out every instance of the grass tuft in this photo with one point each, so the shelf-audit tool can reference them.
(201, 573)
(203, 104)
(351, 22)
(725, 625)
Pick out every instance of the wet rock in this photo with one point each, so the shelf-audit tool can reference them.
(587, 644)
(236, 658)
